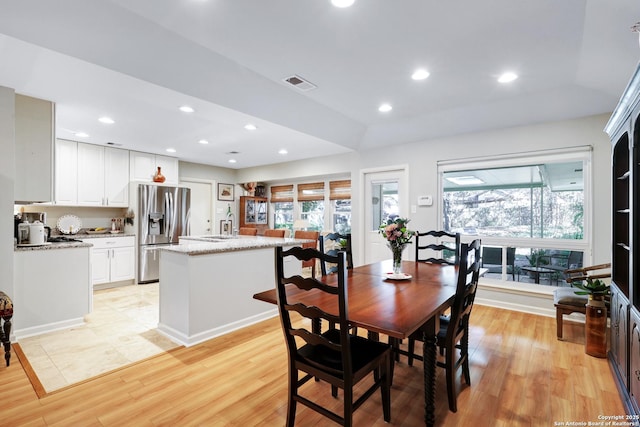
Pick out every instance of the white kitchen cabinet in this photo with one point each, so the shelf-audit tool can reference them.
(91, 175)
(66, 172)
(34, 133)
(112, 259)
(143, 167)
(116, 177)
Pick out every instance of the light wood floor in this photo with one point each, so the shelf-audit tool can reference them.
(521, 376)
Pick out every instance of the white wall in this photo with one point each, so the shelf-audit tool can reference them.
(7, 179)
(422, 158)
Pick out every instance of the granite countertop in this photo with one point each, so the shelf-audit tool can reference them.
(203, 245)
(52, 246)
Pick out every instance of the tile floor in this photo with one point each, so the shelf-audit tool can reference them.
(119, 331)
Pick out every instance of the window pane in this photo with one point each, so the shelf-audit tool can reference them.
(342, 216)
(384, 203)
(537, 201)
(283, 215)
(313, 212)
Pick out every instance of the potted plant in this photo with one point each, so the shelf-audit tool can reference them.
(596, 315)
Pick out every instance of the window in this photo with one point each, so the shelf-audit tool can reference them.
(282, 203)
(311, 199)
(531, 209)
(340, 196)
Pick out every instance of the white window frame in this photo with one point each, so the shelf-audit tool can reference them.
(579, 153)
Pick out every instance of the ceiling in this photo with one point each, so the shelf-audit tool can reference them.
(138, 61)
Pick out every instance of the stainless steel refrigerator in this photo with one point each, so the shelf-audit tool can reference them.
(163, 214)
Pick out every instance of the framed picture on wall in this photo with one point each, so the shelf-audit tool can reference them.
(225, 192)
(226, 226)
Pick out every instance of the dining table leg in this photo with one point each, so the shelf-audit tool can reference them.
(429, 344)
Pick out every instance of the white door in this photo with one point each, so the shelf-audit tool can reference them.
(66, 172)
(385, 195)
(201, 207)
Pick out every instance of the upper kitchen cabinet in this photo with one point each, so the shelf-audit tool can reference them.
(143, 167)
(91, 175)
(103, 176)
(34, 134)
(66, 172)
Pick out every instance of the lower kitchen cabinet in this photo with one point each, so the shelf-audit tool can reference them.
(112, 259)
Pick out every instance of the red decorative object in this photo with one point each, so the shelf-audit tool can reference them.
(158, 177)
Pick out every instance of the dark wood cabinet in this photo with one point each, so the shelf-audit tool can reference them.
(624, 350)
(254, 213)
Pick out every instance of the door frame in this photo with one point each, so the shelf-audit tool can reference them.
(185, 180)
(403, 191)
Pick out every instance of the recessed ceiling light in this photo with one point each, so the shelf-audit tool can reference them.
(232, 160)
(203, 142)
(385, 108)
(82, 135)
(283, 151)
(171, 150)
(250, 127)
(342, 3)
(187, 109)
(106, 120)
(420, 74)
(507, 77)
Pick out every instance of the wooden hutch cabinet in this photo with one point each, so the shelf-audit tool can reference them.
(253, 213)
(624, 354)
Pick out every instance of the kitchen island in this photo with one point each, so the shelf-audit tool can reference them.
(52, 286)
(207, 284)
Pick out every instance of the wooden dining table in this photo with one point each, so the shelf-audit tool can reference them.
(396, 308)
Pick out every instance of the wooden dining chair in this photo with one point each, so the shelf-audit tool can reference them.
(335, 356)
(331, 244)
(310, 235)
(248, 231)
(272, 232)
(438, 247)
(453, 336)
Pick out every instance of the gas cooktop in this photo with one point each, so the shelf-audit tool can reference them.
(62, 239)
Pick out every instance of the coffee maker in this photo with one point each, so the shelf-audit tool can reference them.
(20, 227)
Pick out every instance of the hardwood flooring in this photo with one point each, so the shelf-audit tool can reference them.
(521, 376)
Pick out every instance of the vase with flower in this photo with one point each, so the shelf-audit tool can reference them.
(398, 236)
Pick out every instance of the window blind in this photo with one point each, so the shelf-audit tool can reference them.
(311, 191)
(282, 193)
(340, 190)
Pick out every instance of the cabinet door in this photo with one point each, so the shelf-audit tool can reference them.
(34, 129)
(116, 177)
(100, 266)
(169, 166)
(634, 361)
(66, 172)
(619, 330)
(122, 263)
(90, 175)
(142, 166)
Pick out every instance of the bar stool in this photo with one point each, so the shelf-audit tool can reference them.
(6, 313)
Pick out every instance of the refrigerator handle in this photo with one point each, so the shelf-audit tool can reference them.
(168, 213)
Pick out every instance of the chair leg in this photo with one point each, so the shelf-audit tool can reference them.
(385, 388)
(293, 390)
(348, 405)
(411, 350)
(451, 380)
(559, 323)
(334, 391)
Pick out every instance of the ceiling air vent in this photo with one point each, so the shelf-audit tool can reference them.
(300, 83)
